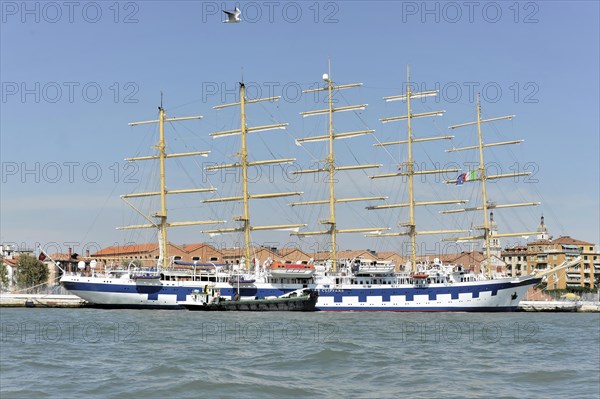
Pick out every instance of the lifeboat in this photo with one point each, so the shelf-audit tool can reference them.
(378, 268)
(295, 270)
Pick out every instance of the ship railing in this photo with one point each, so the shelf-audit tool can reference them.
(135, 271)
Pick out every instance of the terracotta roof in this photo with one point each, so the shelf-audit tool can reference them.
(468, 258)
(269, 253)
(570, 241)
(196, 246)
(392, 256)
(238, 252)
(387, 254)
(127, 249)
(149, 247)
(290, 250)
(192, 247)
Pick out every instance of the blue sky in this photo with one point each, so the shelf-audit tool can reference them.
(72, 78)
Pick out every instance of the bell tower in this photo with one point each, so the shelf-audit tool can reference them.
(542, 230)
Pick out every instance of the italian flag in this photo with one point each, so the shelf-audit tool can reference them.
(471, 175)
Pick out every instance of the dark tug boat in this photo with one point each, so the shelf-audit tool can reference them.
(304, 300)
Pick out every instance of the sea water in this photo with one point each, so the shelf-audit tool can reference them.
(94, 353)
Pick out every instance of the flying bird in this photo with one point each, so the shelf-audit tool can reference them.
(233, 17)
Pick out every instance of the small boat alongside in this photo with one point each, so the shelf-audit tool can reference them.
(304, 300)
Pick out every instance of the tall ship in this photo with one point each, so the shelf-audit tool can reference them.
(342, 284)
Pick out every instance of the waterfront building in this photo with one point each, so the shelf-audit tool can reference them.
(545, 252)
(148, 254)
(515, 258)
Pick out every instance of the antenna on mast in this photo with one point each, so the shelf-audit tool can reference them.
(161, 99)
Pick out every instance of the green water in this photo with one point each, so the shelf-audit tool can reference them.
(92, 353)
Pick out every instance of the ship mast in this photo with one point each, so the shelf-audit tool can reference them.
(244, 161)
(486, 223)
(163, 186)
(330, 167)
(483, 177)
(411, 172)
(244, 164)
(163, 224)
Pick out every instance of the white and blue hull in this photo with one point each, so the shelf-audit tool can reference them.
(489, 295)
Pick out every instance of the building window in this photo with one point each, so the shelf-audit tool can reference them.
(554, 257)
(213, 259)
(540, 248)
(196, 258)
(585, 257)
(591, 248)
(178, 258)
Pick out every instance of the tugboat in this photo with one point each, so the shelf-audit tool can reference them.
(303, 300)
